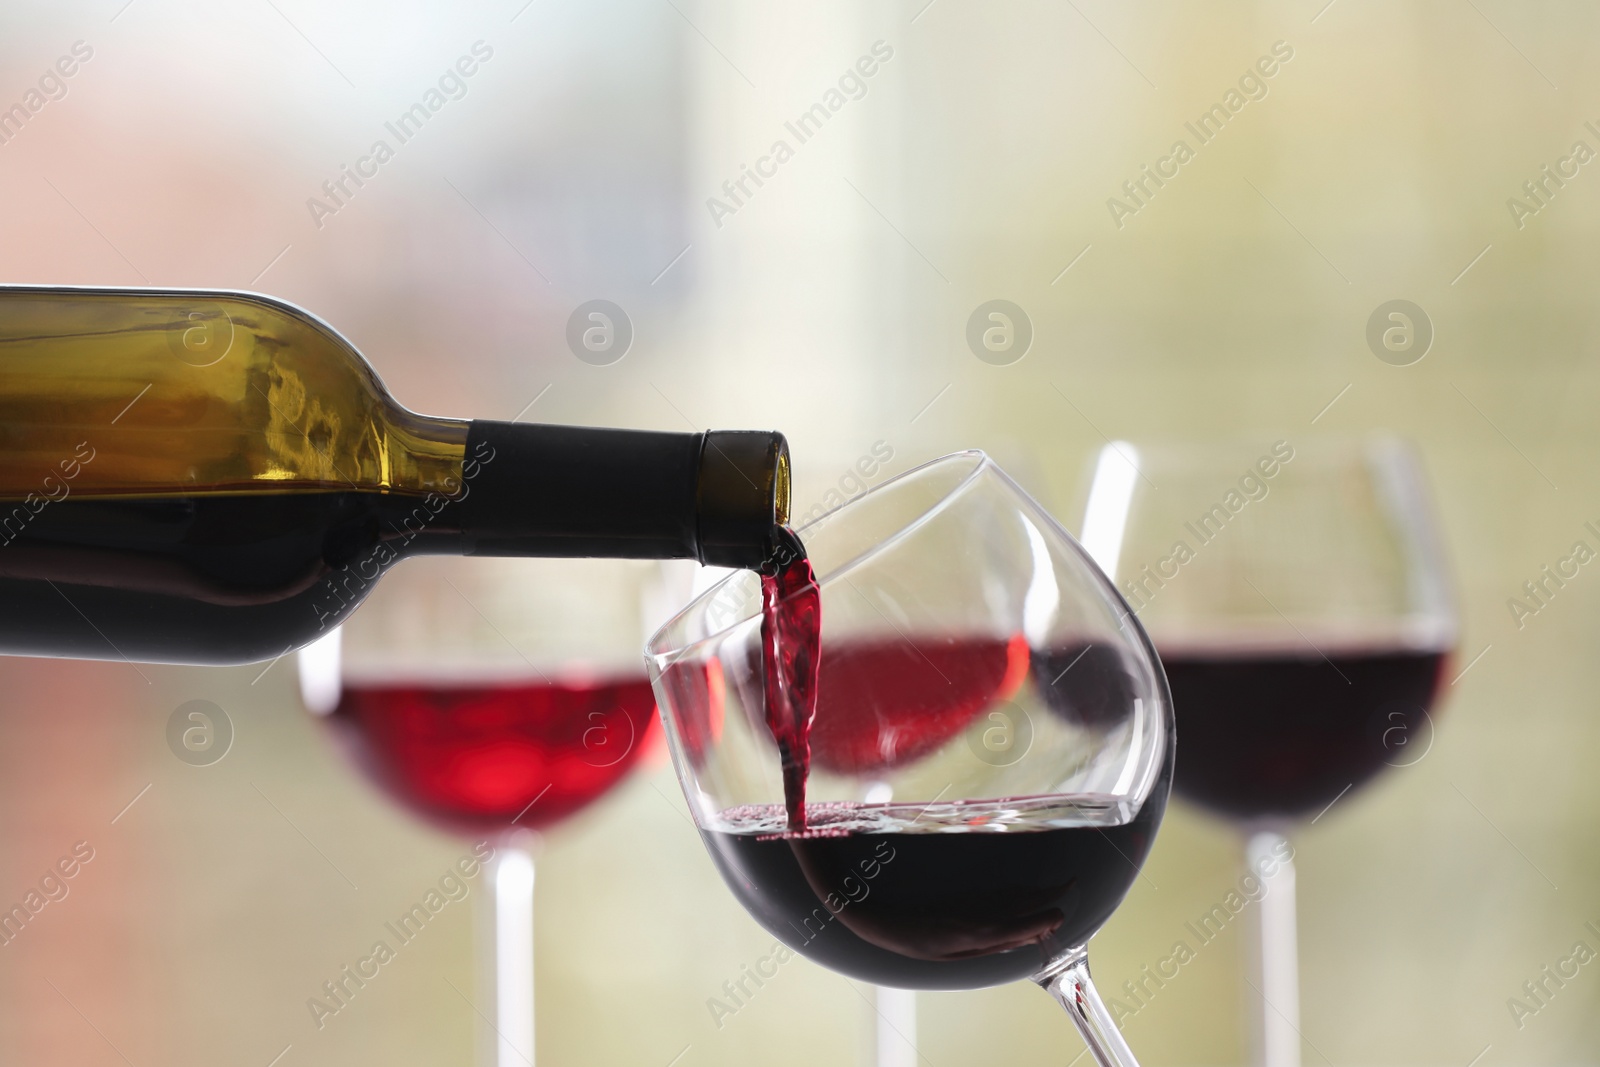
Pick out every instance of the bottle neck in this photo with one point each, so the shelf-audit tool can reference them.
(569, 491)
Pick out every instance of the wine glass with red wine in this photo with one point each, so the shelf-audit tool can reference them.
(941, 762)
(493, 699)
(1298, 595)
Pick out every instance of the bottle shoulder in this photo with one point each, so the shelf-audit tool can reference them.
(142, 392)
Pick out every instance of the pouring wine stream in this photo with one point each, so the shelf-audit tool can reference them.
(791, 632)
(791, 635)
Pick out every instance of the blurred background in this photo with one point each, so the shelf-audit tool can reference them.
(596, 153)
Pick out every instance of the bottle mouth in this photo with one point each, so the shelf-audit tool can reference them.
(782, 502)
(743, 496)
(837, 543)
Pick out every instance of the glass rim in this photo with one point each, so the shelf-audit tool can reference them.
(981, 462)
(1397, 463)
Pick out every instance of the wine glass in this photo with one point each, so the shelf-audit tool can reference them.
(990, 753)
(1298, 596)
(493, 698)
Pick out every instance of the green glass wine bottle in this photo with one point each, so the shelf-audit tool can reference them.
(214, 477)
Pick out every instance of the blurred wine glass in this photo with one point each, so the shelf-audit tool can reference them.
(493, 698)
(1298, 596)
(989, 757)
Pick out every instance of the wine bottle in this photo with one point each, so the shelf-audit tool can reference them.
(217, 477)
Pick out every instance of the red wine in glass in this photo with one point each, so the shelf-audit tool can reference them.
(1299, 596)
(889, 702)
(1085, 683)
(880, 892)
(479, 756)
(889, 894)
(1280, 733)
(937, 848)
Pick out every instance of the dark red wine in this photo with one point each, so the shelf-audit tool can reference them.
(949, 897)
(791, 633)
(244, 571)
(1087, 684)
(1276, 734)
(885, 703)
(475, 757)
(211, 578)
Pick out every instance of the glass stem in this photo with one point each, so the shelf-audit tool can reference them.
(513, 956)
(897, 1027)
(1068, 981)
(1277, 961)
